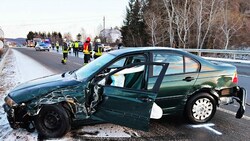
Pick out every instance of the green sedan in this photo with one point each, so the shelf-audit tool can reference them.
(121, 87)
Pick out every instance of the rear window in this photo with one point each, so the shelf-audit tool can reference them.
(175, 63)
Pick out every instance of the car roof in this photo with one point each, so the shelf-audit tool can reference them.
(131, 50)
(128, 50)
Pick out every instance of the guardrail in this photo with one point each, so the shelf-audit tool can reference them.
(234, 53)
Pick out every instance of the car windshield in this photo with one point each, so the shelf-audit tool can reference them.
(41, 43)
(86, 71)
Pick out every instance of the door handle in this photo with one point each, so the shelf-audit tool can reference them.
(145, 99)
(188, 79)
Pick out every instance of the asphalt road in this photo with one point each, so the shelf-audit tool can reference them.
(224, 126)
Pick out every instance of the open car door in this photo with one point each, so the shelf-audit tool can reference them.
(128, 106)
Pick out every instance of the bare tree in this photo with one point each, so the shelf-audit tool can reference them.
(232, 22)
(205, 14)
(155, 23)
(170, 9)
(67, 36)
(83, 34)
(183, 21)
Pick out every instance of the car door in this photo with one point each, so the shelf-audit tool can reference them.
(129, 107)
(178, 81)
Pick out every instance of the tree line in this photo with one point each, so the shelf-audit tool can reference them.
(54, 36)
(201, 24)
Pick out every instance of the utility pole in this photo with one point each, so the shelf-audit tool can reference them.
(104, 29)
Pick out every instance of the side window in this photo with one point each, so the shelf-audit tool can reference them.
(128, 77)
(175, 63)
(128, 60)
(119, 63)
(132, 77)
(191, 65)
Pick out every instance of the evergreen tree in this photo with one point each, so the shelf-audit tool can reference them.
(30, 35)
(133, 31)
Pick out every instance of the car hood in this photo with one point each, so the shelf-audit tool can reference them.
(38, 87)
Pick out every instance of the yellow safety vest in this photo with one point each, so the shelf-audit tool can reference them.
(76, 44)
(99, 52)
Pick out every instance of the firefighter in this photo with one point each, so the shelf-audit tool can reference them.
(57, 46)
(87, 51)
(70, 46)
(76, 47)
(98, 48)
(53, 46)
(65, 49)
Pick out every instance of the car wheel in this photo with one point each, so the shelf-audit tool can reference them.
(200, 108)
(52, 121)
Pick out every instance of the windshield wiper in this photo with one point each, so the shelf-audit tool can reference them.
(73, 72)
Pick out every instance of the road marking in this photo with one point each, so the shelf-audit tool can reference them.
(233, 113)
(208, 127)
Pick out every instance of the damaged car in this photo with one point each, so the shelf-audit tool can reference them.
(125, 87)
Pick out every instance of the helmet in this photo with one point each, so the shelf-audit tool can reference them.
(98, 40)
(88, 39)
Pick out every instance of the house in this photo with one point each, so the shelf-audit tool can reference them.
(111, 35)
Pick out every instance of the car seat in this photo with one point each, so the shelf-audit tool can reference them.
(134, 80)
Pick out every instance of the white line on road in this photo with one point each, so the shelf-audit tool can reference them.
(207, 126)
(232, 113)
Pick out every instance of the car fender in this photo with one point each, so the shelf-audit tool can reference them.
(56, 97)
(207, 89)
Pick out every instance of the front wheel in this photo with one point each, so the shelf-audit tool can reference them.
(200, 108)
(52, 121)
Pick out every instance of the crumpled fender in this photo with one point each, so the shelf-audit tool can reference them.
(55, 97)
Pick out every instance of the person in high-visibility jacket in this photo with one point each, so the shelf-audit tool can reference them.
(65, 50)
(76, 47)
(57, 46)
(70, 44)
(98, 48)
(87, 51)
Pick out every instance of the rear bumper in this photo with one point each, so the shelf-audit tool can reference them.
(241, 97)
(238, 94)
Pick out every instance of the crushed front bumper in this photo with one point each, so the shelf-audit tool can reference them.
(18, 118)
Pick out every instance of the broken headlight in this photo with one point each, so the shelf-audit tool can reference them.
(9, 101)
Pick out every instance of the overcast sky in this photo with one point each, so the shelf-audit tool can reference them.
(18, 17)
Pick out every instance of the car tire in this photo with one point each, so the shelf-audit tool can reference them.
(200, 108)
(52, 121)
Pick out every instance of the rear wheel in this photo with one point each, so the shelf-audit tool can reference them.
(52, 121)
(200, 108)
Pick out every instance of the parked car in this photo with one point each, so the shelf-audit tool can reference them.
(41, 46)
(120, 87)
(107, 48)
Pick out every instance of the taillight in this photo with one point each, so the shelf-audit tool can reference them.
(235, 78)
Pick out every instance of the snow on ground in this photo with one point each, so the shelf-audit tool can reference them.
(19, 68)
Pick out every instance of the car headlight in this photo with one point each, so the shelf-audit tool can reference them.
(9, 101)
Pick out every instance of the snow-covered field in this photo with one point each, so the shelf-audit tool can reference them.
(19, 68)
